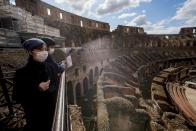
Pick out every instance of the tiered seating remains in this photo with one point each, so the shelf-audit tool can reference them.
(178, 97)
(166, 89)
(120, 93)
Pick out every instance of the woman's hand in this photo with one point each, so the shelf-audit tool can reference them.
(44, 85)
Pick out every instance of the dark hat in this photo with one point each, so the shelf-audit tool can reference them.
(33, 43)
(49, 41)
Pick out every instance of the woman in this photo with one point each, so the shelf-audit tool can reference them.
(50, 43)
(35, 87)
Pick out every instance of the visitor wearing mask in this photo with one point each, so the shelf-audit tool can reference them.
(51, 49)
(35, 87)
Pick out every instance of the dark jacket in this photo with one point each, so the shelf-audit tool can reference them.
(55, 66)
(39, 105)
(58, 70)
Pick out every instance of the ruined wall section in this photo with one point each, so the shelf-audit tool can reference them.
(15, 18)
(130, 29)
(52, 13)
(76, 36)
(190, 31)
(77, 30)
(9, 38)
(124, 40)
(135, 37)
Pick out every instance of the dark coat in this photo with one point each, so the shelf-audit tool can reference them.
(39, 105)
(57, 68)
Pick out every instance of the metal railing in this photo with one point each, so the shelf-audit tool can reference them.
(15, 114)
(3, 85)
(61, 120)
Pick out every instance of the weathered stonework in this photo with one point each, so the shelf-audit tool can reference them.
(40, 8)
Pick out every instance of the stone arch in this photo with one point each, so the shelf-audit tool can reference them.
(78, 92)
(91, 78)
(101, 71)
(96, 73)
(70, 92)
(85, 85)
(159, 44)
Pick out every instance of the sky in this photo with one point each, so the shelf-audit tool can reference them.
(155, 16)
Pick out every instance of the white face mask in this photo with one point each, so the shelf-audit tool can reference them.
(51, 51)
(40, 56)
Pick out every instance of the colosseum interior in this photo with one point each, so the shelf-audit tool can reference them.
(122, 80)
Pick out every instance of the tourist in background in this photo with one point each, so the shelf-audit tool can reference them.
(51, 49)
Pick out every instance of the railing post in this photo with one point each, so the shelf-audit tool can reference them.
(67, 105)
(5, 91)
(60, 121)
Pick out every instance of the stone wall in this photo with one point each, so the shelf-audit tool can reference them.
(9, 38)
(52, 13)
(75, 35)
(15, 18)
(31, 17)
(188, 31)
(129, 29)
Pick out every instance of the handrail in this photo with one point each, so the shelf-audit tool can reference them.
(61, 120)
(5, 90)
(58, 120)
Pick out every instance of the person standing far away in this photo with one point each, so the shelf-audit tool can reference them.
(35, 87)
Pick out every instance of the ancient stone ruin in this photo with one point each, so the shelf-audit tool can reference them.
(120, 81)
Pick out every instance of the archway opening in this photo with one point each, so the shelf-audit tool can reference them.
(78, 93)
(101, 71)
(85, 85)
(91, 78)
(70, 93)
(96, 73)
